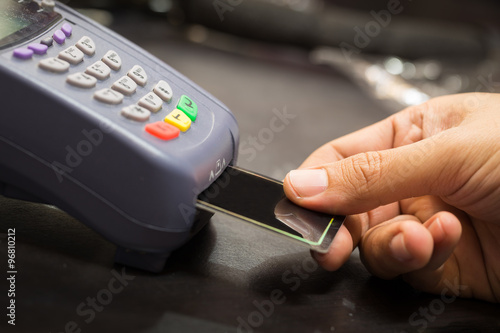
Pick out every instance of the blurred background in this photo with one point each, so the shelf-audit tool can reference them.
(401, 51)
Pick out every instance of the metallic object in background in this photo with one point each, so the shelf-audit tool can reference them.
(321, 24)
(389, 89)
(160, 6)
(398, 83)
(311, 23)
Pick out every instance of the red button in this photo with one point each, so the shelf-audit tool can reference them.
(162, 130)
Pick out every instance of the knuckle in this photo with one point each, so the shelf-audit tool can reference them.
(362, 171)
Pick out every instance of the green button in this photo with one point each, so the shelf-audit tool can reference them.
(189, 107)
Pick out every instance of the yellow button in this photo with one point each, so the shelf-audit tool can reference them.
(178, 119)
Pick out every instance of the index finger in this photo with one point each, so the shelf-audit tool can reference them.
(402, 128)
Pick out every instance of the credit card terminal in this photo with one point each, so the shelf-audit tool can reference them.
(95, 125)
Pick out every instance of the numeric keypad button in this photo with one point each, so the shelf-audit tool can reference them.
(86, 45)
(138, 74)
(125, 85)
(113, 60)
(151, 102)
(108, 96)
(164, 90)
(135, 112)
(54, 65)
(82, 80)
(99, 70)
(72, 55)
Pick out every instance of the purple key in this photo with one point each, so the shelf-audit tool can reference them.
(67, 29)
(23, 53)
(38, 48)
(59, 37)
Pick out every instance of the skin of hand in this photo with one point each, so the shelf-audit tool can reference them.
(423, 191)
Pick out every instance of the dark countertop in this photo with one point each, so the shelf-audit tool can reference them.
(231, 277)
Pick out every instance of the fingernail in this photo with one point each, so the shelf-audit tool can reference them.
(437, 231)
(308, 183)
(398, 248)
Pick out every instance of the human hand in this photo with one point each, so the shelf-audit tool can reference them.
(425, 187)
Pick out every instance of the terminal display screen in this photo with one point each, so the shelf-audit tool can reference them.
(22, 21)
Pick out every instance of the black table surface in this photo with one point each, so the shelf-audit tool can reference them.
(232, 277)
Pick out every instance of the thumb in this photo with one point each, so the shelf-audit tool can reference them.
(365, 181)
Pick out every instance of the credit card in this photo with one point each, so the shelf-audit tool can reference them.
(253, 198)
